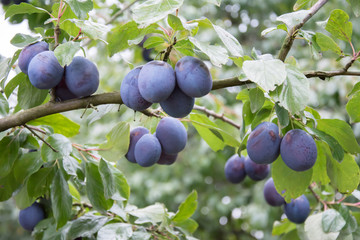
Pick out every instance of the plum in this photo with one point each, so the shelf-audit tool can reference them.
(193, 76)
(129, 91)
(45, 71)
(298, 150)
(156, 81)
(272, 197)
(147, 150)
(82, 77)
(167, 159)
(263, 145)
(172, 135)
(256, 171)
(135, 135)
(62, 92)
(235, 169)
(298, 209)
(30, 216)
(178, 105)
(29, 52)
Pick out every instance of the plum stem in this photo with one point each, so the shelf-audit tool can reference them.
(168, 50)
(39, 137)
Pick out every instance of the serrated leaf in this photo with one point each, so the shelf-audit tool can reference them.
(81, 8)
(86, 226)
(13, 83)
(27, 164)
(39, 182)
(319, 168)
(332, 221)
(70, 165)
(339, 26)
(314, 230)
(23, 8)
(293, 18)
(185, 47)
(230, 42)
(257, 99)
(92, 29)
(65, 52)
(115, 231)
(327, 43)
(151, 214)
(175, 22)
(29, 96)
(9, 148)
(153, 42)
(186, 208)
(21, 40)
(282, 114)
(60, 143)
(189, 225)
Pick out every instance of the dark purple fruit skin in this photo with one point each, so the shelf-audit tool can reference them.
(256, 171)
(44, 70)
(172, 135)
(178, 105)
(235, 169)
(263, 145)
(130, 93)
(135, 135)
(298, 209)
(298, 150)
(156, 81)
(29, 52)
(167, 159)
(30, 216)
(147, 150)
(82, 77)
(272, 197)
(193, 76)
(62, 92)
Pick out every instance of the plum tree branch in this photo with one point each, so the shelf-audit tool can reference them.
(216, 115)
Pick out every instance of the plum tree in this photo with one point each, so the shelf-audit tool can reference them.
(171, 134)
(263, 145)
(156, 81)
(235, 169)
(130, 93)
(167, 159)
(30, 216)
(193, 76)
(272, 197)
(147, 150)
(82, 77)
(29, 52)
(298, 150)
(62, 92)
(178, 104)
(135, 135)
(298, 209)
(256, 171)
(44, 70)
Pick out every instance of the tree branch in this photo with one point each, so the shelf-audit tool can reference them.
(328, 74)
(217, 115)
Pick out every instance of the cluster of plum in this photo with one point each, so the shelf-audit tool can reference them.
(162, 147)
(30, 216)
(79, 79)
(158, 82)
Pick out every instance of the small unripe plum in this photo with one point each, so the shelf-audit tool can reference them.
(235, 169)
(156, 81)
(263, 145)
(147, 150)
(256, 171)
(30, 216)
(135, 135)
(178, 105)
(172, 135)
(45, 72)
(193, 76)
(272, 197)
(167, 159)
(298, 150)
(62, 92)
(129, 91)
(29, 52)
(298, 209)
(82, 77)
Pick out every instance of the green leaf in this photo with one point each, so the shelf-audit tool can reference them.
(152, 11)
(351, 224)
(257, 99)
(23, 199)
(117, 144)
(355, 89)
(151, 214)
(4, 106)
(60, 143)
(6, 64)
(314, 230)
(319, 168)
(9, 148)
(187, 208)
(23, 8)
(293, 18)
(355, 6)
(65, 20)
(175, 22)
(230, 42)
(300, 4)
(282, 114)
(266, 73)
(30, 96)
(38, 183)
(153, 42)
(21, 40)
(8, 186)
(13, 83)
(352, 107)
(185, 47)
(261, 115)
(282, 227)
(70, 165)
(86, 226)
(81, 8)
(339, 26)
(289, 183)
(27, 164)
(118, 231)
(327, 43)
(107, 179)
(59, 123)
(92, 29)
(189, 225)
(342, 132)
(61, 199)
(270, 29)
(216, 2)
(332, 221)
(65, 52)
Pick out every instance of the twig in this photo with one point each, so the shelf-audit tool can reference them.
(168, 50)
(42, 139)
(120, 12)
(318, 198)
(328, 74)
(216, 115)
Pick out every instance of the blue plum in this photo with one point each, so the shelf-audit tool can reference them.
(298, 150)
(45, 71)
(256, 171)
(298, 209)
(82, 77)
(135, 135)
(156, 81)
(167, 159)
(147, 150)
(129, 91)
(235, 169)
(29, 52)
(171, 134)
(31, 216)
(193, 76)
(178, 105)
(271, 196)
(263, 145)
(62, 92)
